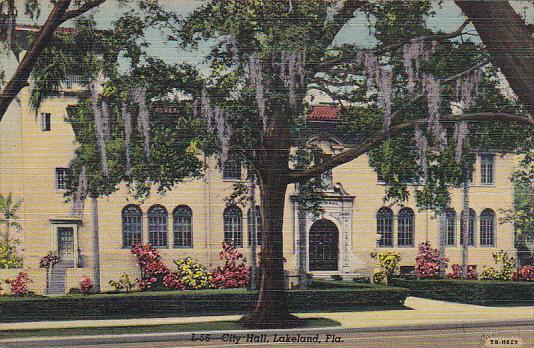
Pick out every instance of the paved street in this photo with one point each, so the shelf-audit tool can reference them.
(517, 335)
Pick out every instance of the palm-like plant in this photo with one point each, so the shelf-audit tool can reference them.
(8, 210)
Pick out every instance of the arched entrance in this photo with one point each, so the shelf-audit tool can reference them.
(324, 246)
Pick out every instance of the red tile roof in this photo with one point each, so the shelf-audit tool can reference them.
(324, 113)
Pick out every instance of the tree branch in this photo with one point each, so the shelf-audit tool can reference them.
(328, 64)
(380, 137)
(82, 9)
(57, 16)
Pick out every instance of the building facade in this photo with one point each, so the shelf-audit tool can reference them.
(193, 219)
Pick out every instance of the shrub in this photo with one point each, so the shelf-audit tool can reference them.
(86, 285)
(503, 269)
(19, 285)
(153, 271)
(124, 283)
(8, 255)
(173, 281)
(524, 274)
(456, 273)
(380, 277)
(49, 260)
(388, 261)
(234, 273)
(427, 262)
(193, 274)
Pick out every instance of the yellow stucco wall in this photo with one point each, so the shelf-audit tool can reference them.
(29, 156)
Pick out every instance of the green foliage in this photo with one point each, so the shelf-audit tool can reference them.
(503, 269)
(387, 260)
(124, 283)
(8, 255)
(193, 275)
(478, 292)
(197, 303)
(8, 213)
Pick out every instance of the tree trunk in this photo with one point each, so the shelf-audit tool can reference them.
(8, 224)
(271, 310)
(253, 236)
(442, 242)
(96, 245)
(508, 41)
(465, 223)
(303, 257)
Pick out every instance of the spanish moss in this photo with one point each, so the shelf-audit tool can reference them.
(461, 130)
(100, 130)
(422, 149)
(127, 119)
(216, 120)
(432, 91)
(256, 79)
(81, 193)
(467, 89)
(413, 53)
(143, 119)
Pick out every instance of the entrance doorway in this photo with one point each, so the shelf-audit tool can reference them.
(324, 246)
(65, 242)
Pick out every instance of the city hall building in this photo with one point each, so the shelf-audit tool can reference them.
(193, 219)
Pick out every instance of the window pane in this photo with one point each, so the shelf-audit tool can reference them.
(384, 227)
(131, 226)
(45, 122)
(232, 169)
(62, 178)
(157, 226)
(450, 226)
(486, 169)
(406, 227)
(233, 226)
(487, 228)
(251, 225)
(471, 237)
(183, 227)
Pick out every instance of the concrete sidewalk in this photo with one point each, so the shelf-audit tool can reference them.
(424, 312)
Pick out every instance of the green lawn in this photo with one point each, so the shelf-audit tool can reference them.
(196, 327)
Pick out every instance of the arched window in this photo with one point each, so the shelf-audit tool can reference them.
(384, 226)
(132, 227)
(471, 236)
(450, 226)
(406, 227)
(157, 226)
(182, 226)
(233, 226)
(487, 228)
(251, 225)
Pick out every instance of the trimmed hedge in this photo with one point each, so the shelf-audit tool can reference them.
(479, 292)
(183, 303)
(336, 284)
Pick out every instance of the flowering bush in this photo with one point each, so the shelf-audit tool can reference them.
(234, 273)
(153, 271)
(86, 286)
(124, 283)
(427, 262)
(456, 273)
(193, 275)
(503, 269)
(19, 285)
(173, 281)
(388, 261)
(524, 274)
(8, 255)
(48, 260)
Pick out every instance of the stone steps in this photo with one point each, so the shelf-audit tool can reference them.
(56, 281)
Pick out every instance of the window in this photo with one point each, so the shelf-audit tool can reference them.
(251, 225)
(450, 227)
(471, 237)
(233, 226)
(487, 166)
(384, 226)
(132, 227)
(45, 122)
(487, 228)
(182, 227)
(157, 226)
(62, 178)
(406, 222)
(232, 169)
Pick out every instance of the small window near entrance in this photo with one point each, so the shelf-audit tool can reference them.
(232, 169)
(45, 122)
(62, 178)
